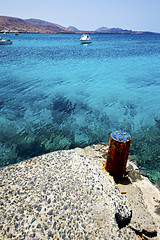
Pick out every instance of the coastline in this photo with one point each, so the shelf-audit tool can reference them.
(67, 194)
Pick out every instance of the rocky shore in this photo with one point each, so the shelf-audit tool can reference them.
(68, 195)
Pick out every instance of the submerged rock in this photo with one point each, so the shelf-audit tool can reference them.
(29, 149)
(63, 104)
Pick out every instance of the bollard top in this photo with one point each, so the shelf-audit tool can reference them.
(120, 136)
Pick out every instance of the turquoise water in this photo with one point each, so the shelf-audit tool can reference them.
(59, 94)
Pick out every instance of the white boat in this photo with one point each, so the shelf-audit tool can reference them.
(85, 39)
(5, 42)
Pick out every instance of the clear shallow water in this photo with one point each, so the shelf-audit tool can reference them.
(59, 94)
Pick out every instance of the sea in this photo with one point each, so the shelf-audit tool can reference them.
(56, 93)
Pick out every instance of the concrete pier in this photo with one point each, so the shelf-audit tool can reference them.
(69, 195)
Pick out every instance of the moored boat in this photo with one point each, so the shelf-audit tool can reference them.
(85, 39)
(5, 42)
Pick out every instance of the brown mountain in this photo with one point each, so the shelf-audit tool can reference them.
(40, 26)
(30, 25)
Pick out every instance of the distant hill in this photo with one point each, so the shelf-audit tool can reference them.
(39, 22)
(112, 30)
(11, 23)
(102, 29)
(40, 26)
(30, 25)
(72, 28)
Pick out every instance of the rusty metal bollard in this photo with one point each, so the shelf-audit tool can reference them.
(118, 154)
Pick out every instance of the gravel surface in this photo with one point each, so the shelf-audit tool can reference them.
(63, 195)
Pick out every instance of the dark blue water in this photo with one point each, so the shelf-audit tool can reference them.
(59, 94)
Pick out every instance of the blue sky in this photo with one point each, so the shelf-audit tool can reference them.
(143, 15)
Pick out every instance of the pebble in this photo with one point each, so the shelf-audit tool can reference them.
(33, 219)
(39, 225)
(50, 234)
(50, 212)
(39, 208)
